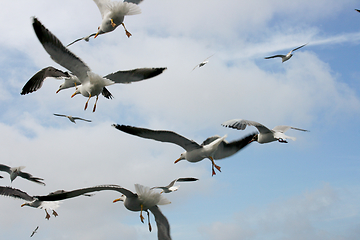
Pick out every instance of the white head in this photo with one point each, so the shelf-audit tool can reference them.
(182, 157)
(122, 198)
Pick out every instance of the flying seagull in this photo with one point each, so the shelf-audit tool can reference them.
(194, 152)
(112, 14)
(265, 135)
(32, 234)
(227, 149)
(16, 171)
(202, 63)
(91, 83)
(287, 56)
(71, 118)
(144, 200)
(171, 188)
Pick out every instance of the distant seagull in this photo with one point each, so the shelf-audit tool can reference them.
(32, 234)
(357, 10)
(91, 83)
(227, 149)
(37, 80)
(112, 14)
(171, 188)
(287, 56)
(194, 152)
(202, 63)
(71, 118)
(265, 135)
(16, 171)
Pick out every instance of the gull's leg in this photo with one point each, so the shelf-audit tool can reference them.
(86, 104)
(128, 34)
(149, 221)
(55, 213)
(47, 215)
(141, 216)
(97, 97)
(214, 165)
(112, 23)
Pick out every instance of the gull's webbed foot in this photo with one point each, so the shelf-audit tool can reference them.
(55, 213)
(112, 23)
(47, 215)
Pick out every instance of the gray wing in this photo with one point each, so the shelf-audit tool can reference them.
(283, 128)
(189, 179)
(281, 56)
(159, 135)
(5, 168)
(61, 195)
(133, 1)
(30, 177)
(299, 47)
(240, 124)
(134, 75)
(162, 223)
(59, 53)
(37, 80)
(60, 115)
(15, 193)
(87, 38)
(227, 149)
(78, 118)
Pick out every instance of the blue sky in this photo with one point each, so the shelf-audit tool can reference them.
(306, 189)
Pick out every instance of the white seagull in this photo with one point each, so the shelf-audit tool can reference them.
(144, 200)
(265, 134)
(91, 83)
(71, 118)
(16, 171)
(194, 152)
(287, 56)
(171, 188)
(202, 63)
(112, 14)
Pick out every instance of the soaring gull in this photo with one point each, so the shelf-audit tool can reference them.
(16, 171)
(112, 14)
(265, 134)
(91, 83)
(144, 200)
(287, 56)
(35, 231)
(194, 152)
(202, 63)
(171, 188)
(71, 118)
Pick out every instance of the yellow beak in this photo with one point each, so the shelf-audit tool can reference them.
(116, 200)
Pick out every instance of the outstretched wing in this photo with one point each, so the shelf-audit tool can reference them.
(79, 118)
(87, 38)
(283, 128)
(227, 149)
(37, 80)
(30, 177)
(240, 124)
(159, 135)
(134, 75)
(105, 92)
(281, 56)
(5, 168)
(15, 193)
(59, 53)
(162, 223)
(299, 47)
(61, 195)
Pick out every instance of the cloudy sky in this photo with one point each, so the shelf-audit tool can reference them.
(306, 189)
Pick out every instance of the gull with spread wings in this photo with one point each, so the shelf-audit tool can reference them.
(287, 56)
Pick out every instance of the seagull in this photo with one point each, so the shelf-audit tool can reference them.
(287, 56)
(112, 14)
(171, 188)
(194, 152)
(16, 171)
(202, 63)
(265, 135)
(227, 149)
(71, 118)
(32, 234)
(91, 83)
(144, 200)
